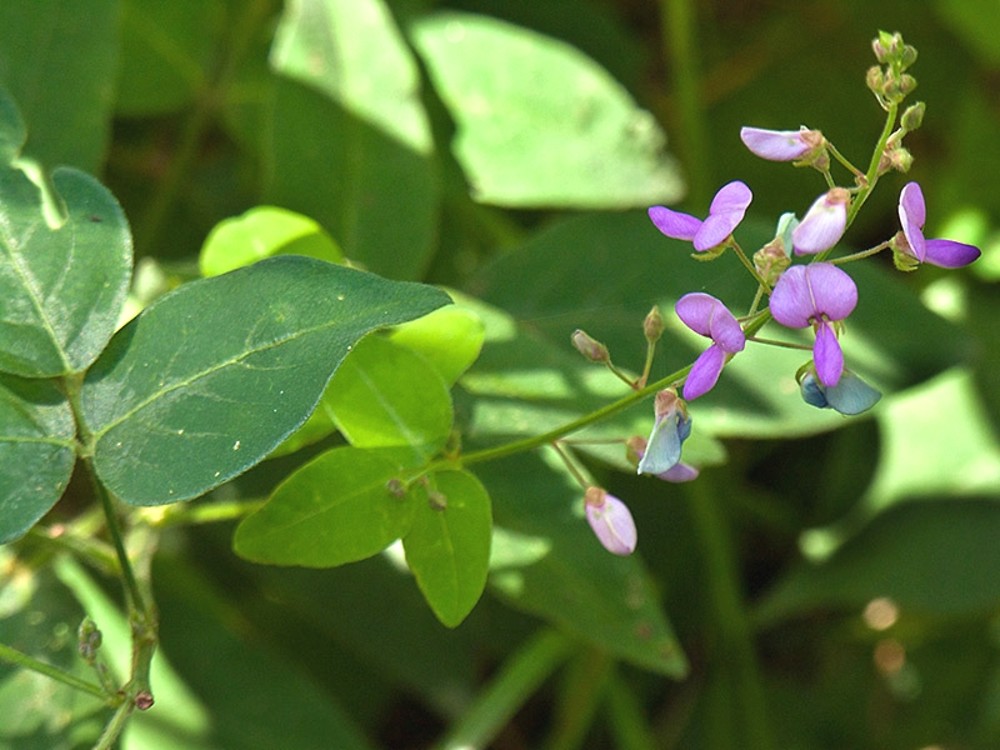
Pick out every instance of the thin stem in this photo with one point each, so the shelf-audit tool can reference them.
(735, 647)
(114, 727)
(782, 344)
(647, 365)
(750, 267)
(861, 254)
(178, 514)
(858, 174)
(871, 176)
(570, 464)
(620, 374)
(11, 655)
(517, 681)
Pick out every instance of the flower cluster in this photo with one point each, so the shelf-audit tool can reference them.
(814, 294)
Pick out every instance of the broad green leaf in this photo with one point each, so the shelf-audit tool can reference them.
(37, 452)
(387, 396)
(974, 22)
(539, 123)
(352, 51)
(61, 289)
(565, 576)
(166, 54)
(210, 378)
(448, 547)
(337, 509)
(599, 273)
(450, 338)
(58, 59)
(929, 558)
(378, 198)
(260, 233)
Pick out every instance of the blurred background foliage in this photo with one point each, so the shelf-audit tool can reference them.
(830, 582)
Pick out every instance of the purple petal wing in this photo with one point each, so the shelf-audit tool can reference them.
(912, 215)
(823, 225)
(949, 254)
(726, 331)
(680, 472)
(612, 523)
(774, 145)
(733, 197)
(725, 214)
(697, 310)
(827, 356)
(791, 301)
(674, 223)
(834, 292)
(704, 373)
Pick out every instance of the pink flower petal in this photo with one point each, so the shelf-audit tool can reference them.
(912, 216)
(704, 372)
(828, 356)
(949, 254)
(675, 224)
(611, 521)
(775, 145)
(823, 225)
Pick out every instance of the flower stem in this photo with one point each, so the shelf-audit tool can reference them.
(11, 655)
(861, 254)
(761, 281)
(871, 177)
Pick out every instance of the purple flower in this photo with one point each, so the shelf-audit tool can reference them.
(670, 429)
(824, 223)
(816, 295)
(679, 472)
(943, 253)
(850, 396)
(704, 314)
(781, 145)
(611, 521)
(724, 215)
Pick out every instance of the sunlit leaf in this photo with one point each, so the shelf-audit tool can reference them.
(210, 378)
(450, 338)
(539, 123)
(448, 547)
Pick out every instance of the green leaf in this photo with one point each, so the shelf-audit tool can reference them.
(210, 378)
(260, 233)
(450, 338)
(166, 54)
(609, 265)
(563, 574)
(539, 123)
(929, 558)
(37, 452)
(448, 547)
(61, 288)
(337, 509)
(352, 51)
(12, 131)
(385, 395)
(58, 59)
(378, 198)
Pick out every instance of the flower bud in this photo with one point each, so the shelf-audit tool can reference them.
(589, 347)
(913, 116)
(771, 260)
(875, 80)
(610, 520)
(897, 158)
(887, 46)
(652, 326)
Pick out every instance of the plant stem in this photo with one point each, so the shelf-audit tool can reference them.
(517, 681)
(871, 176)
(19, 659)
(735, 649)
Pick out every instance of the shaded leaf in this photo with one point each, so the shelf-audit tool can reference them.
(338, 508)
(58, 59)
(61, 289)
(539, 123)
(448, 548)
(929, 558)
(210, 378)
(564, 575)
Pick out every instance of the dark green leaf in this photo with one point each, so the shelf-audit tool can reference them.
(260, 233)
(61, 289)
(58, 60)
(385, 395)
(338, 508)
(930, 558)
(552, 565)
(448, 547)
(539, 123)
(12, 132)
(37, 452)
(210, 378)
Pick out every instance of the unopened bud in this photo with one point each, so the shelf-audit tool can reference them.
(887, 46)
(590, 347)
(437, 500)
(907, 57)
(635, 449)
(143, 700)
(89, 640)
(896, 158)
(771, 260)
(652, 326)
(396, 487)
(913, 116)
(875, 80)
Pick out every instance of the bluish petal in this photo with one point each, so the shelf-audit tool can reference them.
(813, 392)
(674, 224)
(827, 356)
(611, 522)
(704, 374)
(775, 145)
(852, 395)
(949, 254)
